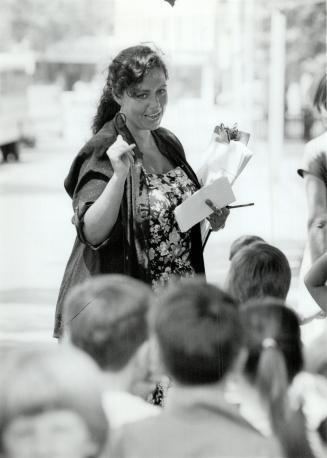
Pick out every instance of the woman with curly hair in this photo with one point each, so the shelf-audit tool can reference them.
(126, 182)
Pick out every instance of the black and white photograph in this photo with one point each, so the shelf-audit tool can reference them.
(163, 236)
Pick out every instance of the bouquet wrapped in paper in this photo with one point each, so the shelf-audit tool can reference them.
(224, 160)
(227, 155)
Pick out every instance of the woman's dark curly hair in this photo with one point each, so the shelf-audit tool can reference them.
(126, 70)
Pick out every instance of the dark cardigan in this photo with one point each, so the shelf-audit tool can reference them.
(88, 176)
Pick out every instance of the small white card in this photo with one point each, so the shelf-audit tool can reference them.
(194, 209)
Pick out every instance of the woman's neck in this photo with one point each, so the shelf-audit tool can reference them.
(142, 137)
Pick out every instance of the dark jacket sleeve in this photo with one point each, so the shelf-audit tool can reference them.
(314, 162)
(88, 176)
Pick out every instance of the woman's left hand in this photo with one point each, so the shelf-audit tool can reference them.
(219, 216)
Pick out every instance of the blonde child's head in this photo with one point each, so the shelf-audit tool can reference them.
(50, 405)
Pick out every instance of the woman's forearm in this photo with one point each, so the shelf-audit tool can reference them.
(315, 281)
(102, 215)
(317, 275)
(317, 215)
(317, 233)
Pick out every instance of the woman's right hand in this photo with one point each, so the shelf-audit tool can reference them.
(121, 156)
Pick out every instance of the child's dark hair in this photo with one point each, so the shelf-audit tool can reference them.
(199, 333)
(272, 338)
(258, 270)
(106, 316)
(241, 242)
(126, 70)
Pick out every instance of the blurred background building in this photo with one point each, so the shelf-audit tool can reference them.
(223, 53)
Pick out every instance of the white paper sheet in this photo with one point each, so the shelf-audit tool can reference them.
(224, 160)
(194, 209)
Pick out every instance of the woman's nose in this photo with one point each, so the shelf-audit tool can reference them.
(155, 101)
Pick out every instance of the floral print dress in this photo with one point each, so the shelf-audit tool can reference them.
(169, 248)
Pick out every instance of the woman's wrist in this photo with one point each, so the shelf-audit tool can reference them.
(119, 177)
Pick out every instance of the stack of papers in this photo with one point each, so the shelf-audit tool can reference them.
(194, 209)
(224, 161)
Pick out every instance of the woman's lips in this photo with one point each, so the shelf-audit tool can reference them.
(154, 116)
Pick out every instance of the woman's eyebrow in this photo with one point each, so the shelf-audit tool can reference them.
(141, 90)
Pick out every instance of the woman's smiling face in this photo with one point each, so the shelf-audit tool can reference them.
(144, 106)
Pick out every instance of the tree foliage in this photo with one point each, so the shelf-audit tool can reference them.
(39, 23)
(306, 38)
